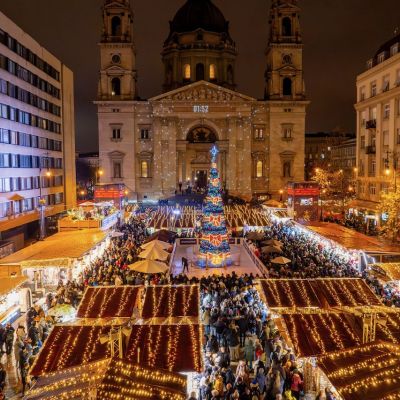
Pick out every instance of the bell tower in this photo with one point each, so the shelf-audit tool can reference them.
(117, 80)
(284, 73)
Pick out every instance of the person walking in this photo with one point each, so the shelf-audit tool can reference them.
(9, 338)
(249, 351)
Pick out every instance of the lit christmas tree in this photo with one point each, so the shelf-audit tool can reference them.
(214, 245)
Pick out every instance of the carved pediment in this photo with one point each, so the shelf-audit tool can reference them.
(202, 91)
(201, 158)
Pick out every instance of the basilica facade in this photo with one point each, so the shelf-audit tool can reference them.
(161, 144)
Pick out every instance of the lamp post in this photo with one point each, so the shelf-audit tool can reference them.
(321, 215)
(42, 204)
(280, 195)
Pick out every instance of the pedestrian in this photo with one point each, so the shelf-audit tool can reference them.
(3, 376)
(9, 338)
(2, 338)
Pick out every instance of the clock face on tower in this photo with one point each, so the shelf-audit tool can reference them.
(116, 59)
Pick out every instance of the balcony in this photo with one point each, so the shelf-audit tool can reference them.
(371, 124)
(370, 150)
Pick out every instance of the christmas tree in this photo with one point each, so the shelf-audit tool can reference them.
(214, 245)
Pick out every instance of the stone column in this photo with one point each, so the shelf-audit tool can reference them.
(231, 172)
(157, 157)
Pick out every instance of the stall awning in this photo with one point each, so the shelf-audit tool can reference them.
(363, 204)
(9, 284)
(57, 250)
(391, 270)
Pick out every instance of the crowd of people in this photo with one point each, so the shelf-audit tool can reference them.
(245, 356)
(312, 257)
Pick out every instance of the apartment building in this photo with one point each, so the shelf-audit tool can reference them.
(37, 133)
(378, 124)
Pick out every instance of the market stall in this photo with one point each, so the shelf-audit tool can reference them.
(165, 353)
(13, 300)
(109, 302)
(171, 301)
(109, 378)
(367, 372)
(90, 215)
(59, 257)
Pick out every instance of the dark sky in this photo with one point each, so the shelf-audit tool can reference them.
(339, 36)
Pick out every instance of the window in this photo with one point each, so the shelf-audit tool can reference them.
(117, 169)
(363, 117)
(394, 49)
(115, 87)
(384, 187)
(398, 77)
(373, 89)
(286, 26)
(259, 169)
(213, 72)
(287, 166)
(186, 72)
(287, 131)
(385, 138)
(386, 110)
(258, 133)
(144, 169)
(116, 133)
(144, 134)
(372, 188)
(372, 168)
(362, 93)
(381, 57)
(116, 26)
(385, 83)
(373, 113)
(287, 87)
(362, 142)
(199, 72)
(398, 136)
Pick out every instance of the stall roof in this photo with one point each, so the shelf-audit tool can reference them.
(9, 284)
(58, 249)
(109, 302)
(324, 293)
(112, 377)
(367, 372)
(391, 270)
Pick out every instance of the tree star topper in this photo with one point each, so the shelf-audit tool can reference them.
(214, 153)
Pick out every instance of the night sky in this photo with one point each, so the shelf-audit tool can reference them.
(339, 36)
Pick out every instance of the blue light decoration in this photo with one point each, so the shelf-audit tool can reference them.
(214, 244)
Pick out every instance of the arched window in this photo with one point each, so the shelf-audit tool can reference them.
(186, 72)
(199, 72)
(287, 166)
(213, 72)
(116, 26)
(229, 74)
(259, 169)
(116, 87)
(287, 87)
(286, 26)
(144, 169)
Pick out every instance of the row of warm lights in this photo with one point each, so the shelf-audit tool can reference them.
(388, 376)
(356, 350)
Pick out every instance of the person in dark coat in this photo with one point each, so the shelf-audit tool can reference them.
(2, 338)
(3, 376)
(9, 338)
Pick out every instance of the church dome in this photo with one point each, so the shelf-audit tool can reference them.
(199, 14)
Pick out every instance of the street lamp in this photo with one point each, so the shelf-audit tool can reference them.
(321, 215)
(42, 204)
(99, 174)
(281, 194)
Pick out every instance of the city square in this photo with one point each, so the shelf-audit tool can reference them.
(199, 225)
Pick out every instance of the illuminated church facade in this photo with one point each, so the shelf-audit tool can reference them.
(158, 145)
